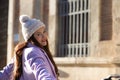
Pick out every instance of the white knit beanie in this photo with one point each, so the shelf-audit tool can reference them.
(29, 26)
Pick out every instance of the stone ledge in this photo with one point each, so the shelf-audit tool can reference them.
(87, 61)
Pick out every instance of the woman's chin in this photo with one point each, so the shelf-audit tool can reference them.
(44, 43)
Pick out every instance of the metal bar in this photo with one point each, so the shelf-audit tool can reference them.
(80, 35)
(81, 19)
(69, 51)
(79, 44)
(73, 27)
(73, 13)
(84, 40)
(77, 29)
(89, 29)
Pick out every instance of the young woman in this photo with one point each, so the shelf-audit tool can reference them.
(33, 60)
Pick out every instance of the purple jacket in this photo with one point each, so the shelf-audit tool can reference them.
(36, 66)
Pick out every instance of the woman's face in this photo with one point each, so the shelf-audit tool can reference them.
(41, 36)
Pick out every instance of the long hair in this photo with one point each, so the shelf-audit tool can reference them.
(18, 60)
(18, 55)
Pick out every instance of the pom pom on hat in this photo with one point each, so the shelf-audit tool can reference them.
(29, 26)
(24, 18)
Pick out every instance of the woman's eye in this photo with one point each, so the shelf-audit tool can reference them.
(38, 34)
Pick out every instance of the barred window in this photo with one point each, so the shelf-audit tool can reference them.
(73, 28)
